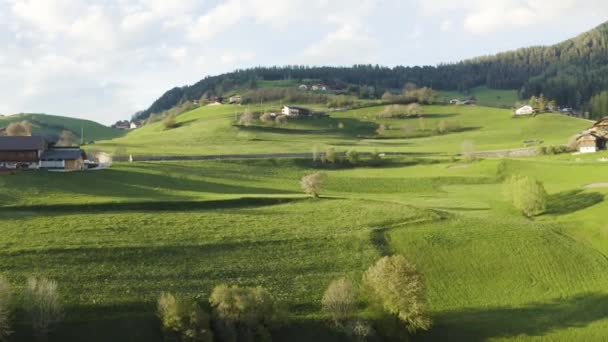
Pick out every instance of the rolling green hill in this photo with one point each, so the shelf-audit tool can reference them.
(212, 130)
(52, 124)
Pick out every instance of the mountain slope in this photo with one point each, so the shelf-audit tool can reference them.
(52, 124)
(569, 72)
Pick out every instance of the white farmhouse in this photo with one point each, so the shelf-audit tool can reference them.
(295, 111)
(525, 110)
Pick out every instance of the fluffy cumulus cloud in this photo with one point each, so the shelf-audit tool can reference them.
(105, 60)
(483, 17)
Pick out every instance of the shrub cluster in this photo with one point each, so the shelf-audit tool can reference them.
(554, 150)
(394, 286)
(237, 314)
(41, 304)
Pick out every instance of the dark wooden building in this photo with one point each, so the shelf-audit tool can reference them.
(22, 152)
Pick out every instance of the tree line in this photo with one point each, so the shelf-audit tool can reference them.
(570, 72)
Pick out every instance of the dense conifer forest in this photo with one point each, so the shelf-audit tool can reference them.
(574, 73)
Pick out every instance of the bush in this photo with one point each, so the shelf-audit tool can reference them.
(244, 312)
(395, 285)
(281, 120)
(266, 118)
(246, 118)
(339, 300)
(527, 195)
(169, 122)
(311, 184)
(183, 320)
(247, 305)
(375, 159)
(5, 309)
(353, 157)
(23, 128)
(467, 150)
(42, 305)
(330, 156)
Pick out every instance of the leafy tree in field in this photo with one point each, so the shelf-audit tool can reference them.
(339, 300)
(244, 311)
(353, 157)
(42, 305)
(267, 118)
(330, 156)
(311, 184)
(281, 120)
(246, 118)
(183, 320)
(23, 128)
(467, 149)
(5, 309)
(67, 138)
(396, 285)
(170, 121)
(527, 195)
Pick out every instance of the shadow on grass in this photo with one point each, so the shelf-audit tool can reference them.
(352, 128)
(571, 201)
(535, 319)
(237, 203)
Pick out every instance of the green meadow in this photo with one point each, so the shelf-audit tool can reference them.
(214, 130)
(115, 239)
(52, 124)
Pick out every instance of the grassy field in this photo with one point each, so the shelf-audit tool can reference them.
(52, 124)
(212, 130)
(115, 239)
(485, 96)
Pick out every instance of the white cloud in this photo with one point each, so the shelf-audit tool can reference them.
(482, 16)
(446, 26)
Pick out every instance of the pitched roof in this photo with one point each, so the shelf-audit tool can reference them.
(71, 153)
(32, 143)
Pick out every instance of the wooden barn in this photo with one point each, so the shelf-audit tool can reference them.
(22, 152)
(63, 158)
(601, 125)
(590, 142)
(38, 152)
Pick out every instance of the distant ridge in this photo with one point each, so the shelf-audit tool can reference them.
(53, 124)
(570, 72)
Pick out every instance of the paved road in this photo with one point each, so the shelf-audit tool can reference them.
(516, 152)
(246, 156)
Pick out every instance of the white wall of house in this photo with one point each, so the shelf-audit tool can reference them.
(587, 149)
(525, 110)
(52, 164)
(12, 165)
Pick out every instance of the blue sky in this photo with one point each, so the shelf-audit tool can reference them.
(104, 60)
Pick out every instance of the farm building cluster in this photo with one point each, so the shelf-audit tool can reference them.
(39, 152)
(595, 138)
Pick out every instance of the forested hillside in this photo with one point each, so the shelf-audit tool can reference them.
(571, 72)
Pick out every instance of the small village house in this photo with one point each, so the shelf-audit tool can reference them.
(595, 138)
(235, 99)
(136, 124)
(525, 110)
(124, 125)
(38, 152)
(295, 111)
(590, 143)
(63, 158)
(21, 152)
(318, 87)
